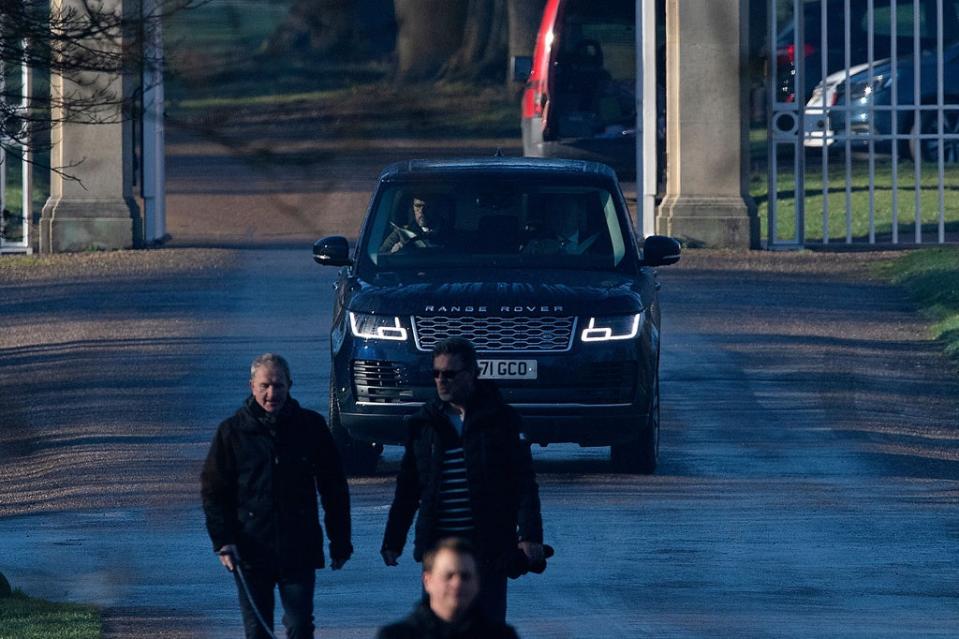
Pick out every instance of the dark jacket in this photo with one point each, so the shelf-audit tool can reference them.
(504, 497)
(423, 624)
(259, 486)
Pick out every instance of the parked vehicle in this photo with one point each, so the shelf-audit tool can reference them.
(870, 99)
(571, 336)
(579, 101)
(833, 46)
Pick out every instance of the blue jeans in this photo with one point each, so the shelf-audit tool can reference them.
(296, 596)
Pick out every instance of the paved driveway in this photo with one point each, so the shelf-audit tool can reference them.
(808, 487)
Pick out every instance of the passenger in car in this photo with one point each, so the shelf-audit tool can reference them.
(426, 228)
(563, 234)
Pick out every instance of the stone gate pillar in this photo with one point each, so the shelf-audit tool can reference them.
(93, 144)
(707, 202)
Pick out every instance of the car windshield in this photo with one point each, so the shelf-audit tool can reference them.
(493, 223)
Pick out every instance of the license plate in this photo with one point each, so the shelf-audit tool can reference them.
(507, 368)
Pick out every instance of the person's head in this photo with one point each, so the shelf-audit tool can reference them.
(426, 215)
(450, 577)
(454, 369)
(270, 381)
(421, 213)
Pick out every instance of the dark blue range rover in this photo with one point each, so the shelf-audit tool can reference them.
(535, 262)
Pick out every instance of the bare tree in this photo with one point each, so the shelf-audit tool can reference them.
(79, 44)
(485, 32)
(483, 46)
(428, 32)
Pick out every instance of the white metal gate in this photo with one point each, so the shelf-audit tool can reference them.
(873, 87)
(15, 220)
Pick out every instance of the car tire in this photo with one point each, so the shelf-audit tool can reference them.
(640, 456)
(930, 148)
(358, 457)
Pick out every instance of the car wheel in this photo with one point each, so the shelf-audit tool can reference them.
(358, 457)
(640, 455)
(930, 148)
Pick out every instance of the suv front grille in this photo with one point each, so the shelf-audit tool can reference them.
(498, 334)
(380, 382)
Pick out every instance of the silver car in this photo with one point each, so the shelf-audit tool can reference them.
(862, 101)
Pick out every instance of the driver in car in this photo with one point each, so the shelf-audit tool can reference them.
(426, 228)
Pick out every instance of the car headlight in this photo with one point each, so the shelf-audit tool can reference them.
(863, 89)
(377, 327)
(604, 329)
(821, 96)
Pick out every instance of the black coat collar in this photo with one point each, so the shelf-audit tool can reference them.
(255, 418)
(486, 399)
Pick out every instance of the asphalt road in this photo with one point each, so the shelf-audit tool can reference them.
(809, 484)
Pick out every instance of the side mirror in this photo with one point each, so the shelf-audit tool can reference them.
(522, 66)
(659, 250)
(332, 251)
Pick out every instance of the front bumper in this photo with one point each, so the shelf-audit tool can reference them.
(593, 394)
(865, 126)
(542, 424)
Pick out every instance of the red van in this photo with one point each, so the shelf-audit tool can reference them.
(579, 100)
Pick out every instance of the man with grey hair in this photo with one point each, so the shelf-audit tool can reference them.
(259, 485)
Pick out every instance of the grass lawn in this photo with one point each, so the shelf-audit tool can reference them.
(214, 58)
(846, 199)
(931, 276)
(23, 617)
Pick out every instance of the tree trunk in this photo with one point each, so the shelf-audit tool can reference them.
(428, 32)
(524, 19)
(482, 54)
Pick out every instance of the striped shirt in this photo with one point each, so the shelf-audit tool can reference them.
(454, 516)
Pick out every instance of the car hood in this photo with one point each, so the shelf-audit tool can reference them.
(832, 82)
(840, 76)
(503, 293)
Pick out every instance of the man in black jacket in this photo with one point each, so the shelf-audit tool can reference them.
(468, 471)
(451, 581)
(259, 486)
